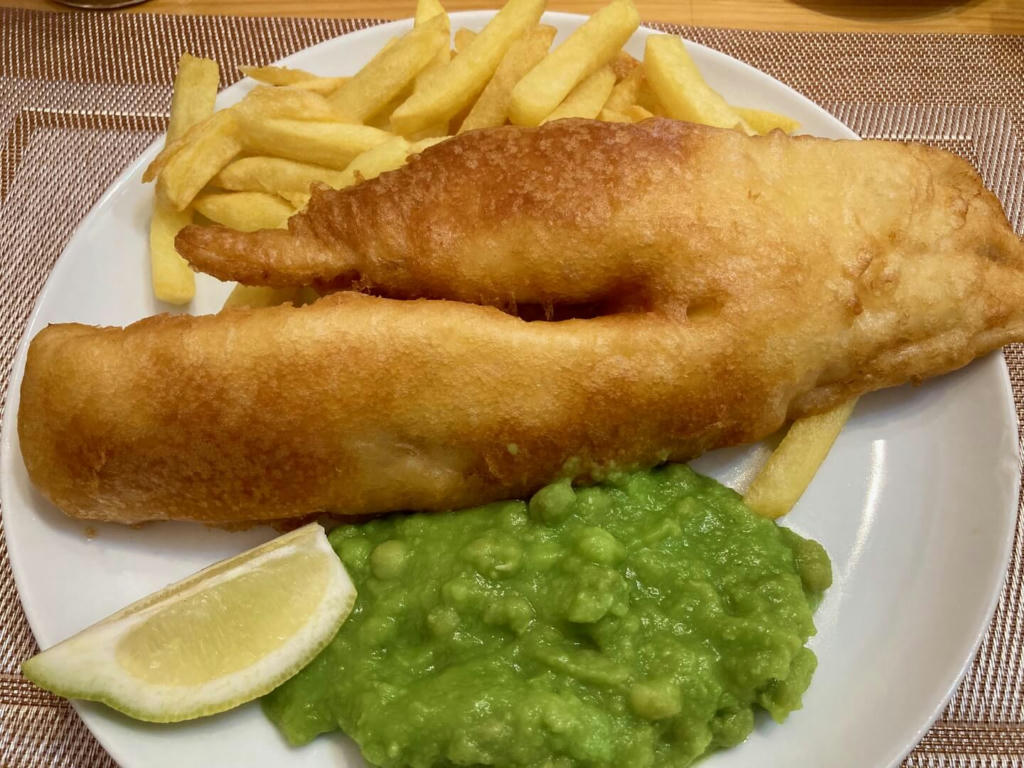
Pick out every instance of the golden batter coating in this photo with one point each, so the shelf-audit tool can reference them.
(766, 278)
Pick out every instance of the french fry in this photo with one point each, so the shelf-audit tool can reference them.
(585, 51)
(646, 98)
(182, 130)
(491, 108)
(382, 119)
(325, 86)
(372, 163)
(762, 121)
(195, 89)
(299, 200)
(171, 148)
(388, 156)
(172, 278)
(455, 85)
(262, 296)
(244, 211)
(626, 91)
(678, 84)
(277, 75)
(463, 37)
(418, 146)
(192, 101)
(636, 113)
(435, 131)
(444, 55)
(333, 145)
(611, 116)
(386, 75)
(288, 103)
(275, 176)
(426, 10)
(587, 98)
(210, 148)
(793, 464)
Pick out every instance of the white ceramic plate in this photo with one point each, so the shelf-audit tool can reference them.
(915, 505)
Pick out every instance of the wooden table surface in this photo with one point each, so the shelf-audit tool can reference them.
(981, 16)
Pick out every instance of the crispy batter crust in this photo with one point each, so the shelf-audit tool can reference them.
(778, 276)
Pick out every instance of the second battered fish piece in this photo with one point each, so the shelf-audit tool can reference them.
(659, 214)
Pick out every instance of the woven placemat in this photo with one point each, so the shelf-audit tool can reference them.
(82, 94)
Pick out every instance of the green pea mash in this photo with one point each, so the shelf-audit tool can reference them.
(634, 623)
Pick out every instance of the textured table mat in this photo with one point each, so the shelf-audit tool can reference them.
(82, 94)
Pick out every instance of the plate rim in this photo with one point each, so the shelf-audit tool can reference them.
(230, 94)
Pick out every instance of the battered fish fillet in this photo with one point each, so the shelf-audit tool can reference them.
(744, 281)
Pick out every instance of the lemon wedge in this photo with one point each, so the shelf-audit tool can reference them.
(217, 639)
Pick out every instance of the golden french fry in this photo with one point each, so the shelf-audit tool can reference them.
(262, 296)
(646, 98)
(443, 56)
(384, 49)
(277, 75)
(791, 467)
(418, 146)
(611, 116)
(585, 51)
(491, 109)
(636, 113)
(276, 176)
(211, 145)
(678, 84)
(587, 98)
(427, 9)
(388, 156)
(244, 211)
(451, 88)
(325, 86)
(463, 37)
(299, 200)
(762, 121)
(435, 131)
(172, 278)
(195, 89)
(382, 119)
(626, 90)
(171, 148)
(372, 163)
(333, 145)
(387, 74)
(288, 103)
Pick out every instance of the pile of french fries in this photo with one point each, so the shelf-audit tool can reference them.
(251, 166)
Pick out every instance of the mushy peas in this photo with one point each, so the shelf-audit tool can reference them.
(634, 623)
